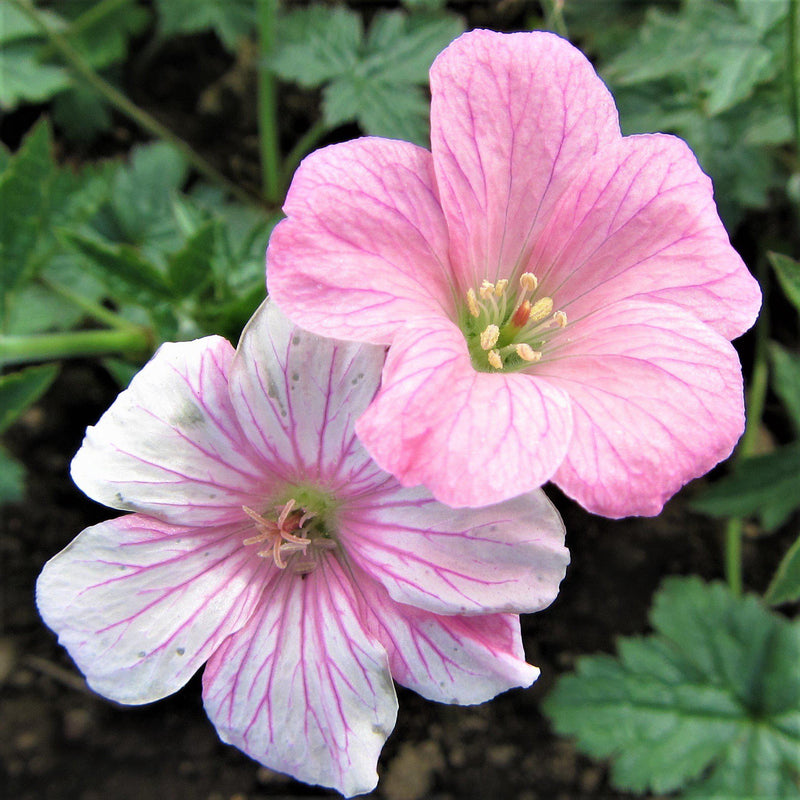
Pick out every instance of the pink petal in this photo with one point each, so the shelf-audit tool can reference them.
(641, 220)
(364, 245)
(304, 689)
(140, 605)
(169, 445)
(513, 118)
(506, 557)
(472, 438)
(297, 397)
(453, 659)
(657, 401)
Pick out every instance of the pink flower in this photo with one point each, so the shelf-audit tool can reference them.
(558, 298)
(268, 543)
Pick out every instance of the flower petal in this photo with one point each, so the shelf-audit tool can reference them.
(641, 220)
(297, 397)
(513, 118)
(472, 438)
(304, 689)
(452, 659)
(364, 245)
(170, 446)
(140, 605)
(506, 557)
(657, 401)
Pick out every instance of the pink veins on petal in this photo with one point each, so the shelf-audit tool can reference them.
(558, 299)
(266, 543)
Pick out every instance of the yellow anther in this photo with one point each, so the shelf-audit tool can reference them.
(486, 290)
(472, 303)
(528, 282)
(495, 360)
(489, 337)
(501, 287)
(540, 309)
(560, 318)
(527, 353)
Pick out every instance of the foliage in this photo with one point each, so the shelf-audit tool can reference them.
(709, 704)
(231, 20)
(375, 77)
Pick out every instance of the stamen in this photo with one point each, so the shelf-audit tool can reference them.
(495, 360)
(501, 287)
(489, 337)
(527, 353)
(541, 308)
(560, 319)
(472, 303)
(528, 282)
(486, 290)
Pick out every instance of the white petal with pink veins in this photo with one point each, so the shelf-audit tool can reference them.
(304, 688)
(297, 397)
(657, 400)
(513, 118)
(141, 604)
(506, 557)
(169, 445)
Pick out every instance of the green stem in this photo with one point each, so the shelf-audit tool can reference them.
(118, 100)
(554, 16)
(794, 68)
(304, 145)
(82, 22)
(267, 118)
(51, 346)
(94, 310)
(756, 397)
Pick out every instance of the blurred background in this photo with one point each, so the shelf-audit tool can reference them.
(146, 149)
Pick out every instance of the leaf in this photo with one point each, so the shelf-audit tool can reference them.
(767, 485)
(81, 114)
(12, 479)
(788, 272)
(189, 269)
(230, 20)
(25, 79)
(786, 380)
(20, 389)
(785, 585)
(710, 703)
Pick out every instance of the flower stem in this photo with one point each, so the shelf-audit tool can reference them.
(554, 17)
(304, 145)
(94, 310)
(82, 22)
(756, 397)
(47, 347)
(119, 101)
(267, 119)
(794, 68)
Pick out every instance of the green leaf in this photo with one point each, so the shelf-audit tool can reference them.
(768, 486)
(20, 389)
(786, 380)
(121, 371)
(712, 694)
(81, 114)
(12, 479)
(25, 79)
(788, 272)
(189, 269)
(229, 19)
(785, 586)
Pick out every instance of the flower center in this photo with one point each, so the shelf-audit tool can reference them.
(297, 532)
(506, 328)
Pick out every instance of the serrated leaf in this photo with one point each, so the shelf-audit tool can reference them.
(189, 269)
(767, 485)
(785, 585)
(20, 389)
(25, 79)
(121, 266)
(229, 19)
(786, 380)
(788, 272)
(12, 478)
(689, 707)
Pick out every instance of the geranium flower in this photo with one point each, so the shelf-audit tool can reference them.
(558, 298)
(268, 543)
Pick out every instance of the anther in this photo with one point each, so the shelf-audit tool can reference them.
(541, 308)
(486, 290)
(560, 318)
(472, 303)
(528, 282)
(489, 337)
(495, 360)
(501, 287)
(527, 353)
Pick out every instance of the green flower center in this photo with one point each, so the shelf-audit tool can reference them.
(506, 329)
